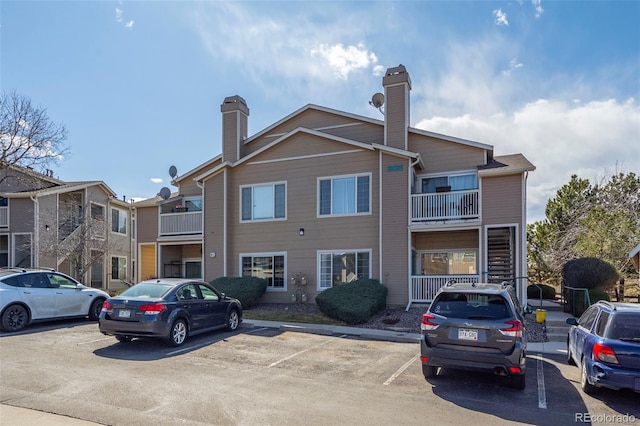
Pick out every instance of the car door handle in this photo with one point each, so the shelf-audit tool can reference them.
(26, 292)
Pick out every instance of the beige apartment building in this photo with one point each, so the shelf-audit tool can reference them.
(323, 197)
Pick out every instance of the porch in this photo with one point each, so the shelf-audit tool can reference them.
(424, 287)
(445, 206)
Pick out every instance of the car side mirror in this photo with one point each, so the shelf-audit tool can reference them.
(223, 296)
(527, 310)
(572, 321)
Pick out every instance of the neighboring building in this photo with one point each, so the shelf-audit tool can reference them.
(324, 196)
(78, 228)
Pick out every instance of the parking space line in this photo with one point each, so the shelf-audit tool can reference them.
(401, 370)
(542, 398)
(298, 353)
(255, 330)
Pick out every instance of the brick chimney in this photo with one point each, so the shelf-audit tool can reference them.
(397, 86)
(235, 115)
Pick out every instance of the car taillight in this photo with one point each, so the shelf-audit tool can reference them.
(106, 306)
(427, 324)
(153, 309)
(514, 329)
(604, 353)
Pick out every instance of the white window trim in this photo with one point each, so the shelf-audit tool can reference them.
(127, 224)
(265, 254)
(321, 252)
(126, 266)
(354, 175)
(274, 219)
(192, 259)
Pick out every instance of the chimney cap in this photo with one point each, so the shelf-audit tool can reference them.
(234, 103)
(400, 69)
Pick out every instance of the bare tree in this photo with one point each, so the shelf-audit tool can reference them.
(28, 137)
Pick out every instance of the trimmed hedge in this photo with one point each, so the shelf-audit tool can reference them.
(595, 295)
(548, 292)
(354, 302)
(589, 273)
(248, 290)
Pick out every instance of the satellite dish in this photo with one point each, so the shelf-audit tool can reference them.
(165, 193)
(377, 100)
(173, 172)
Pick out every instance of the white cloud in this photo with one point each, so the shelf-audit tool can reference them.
(344, 60)
(501, 17)
(129, 24)
(513, 65)
(559, 138)
(378, 70)
(156, 180)
(537, 5)
(118, 14)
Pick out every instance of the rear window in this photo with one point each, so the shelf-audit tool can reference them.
(471, 306)
(625, 327)
(152, 291)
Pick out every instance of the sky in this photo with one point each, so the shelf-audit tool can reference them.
(139, 84)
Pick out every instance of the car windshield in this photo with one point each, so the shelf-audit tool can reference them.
(471, 306)
(150, 290)
(625, 327)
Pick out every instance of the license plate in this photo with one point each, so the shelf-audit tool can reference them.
(464, 334)
(124, 313)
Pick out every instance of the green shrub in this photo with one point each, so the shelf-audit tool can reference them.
(354, 302)
(248, 290)
(548, 292)
(590, 273)
(595, 295)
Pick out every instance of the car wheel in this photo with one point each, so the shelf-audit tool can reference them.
(570, 360)
(178, 333)
(15, 318)
(429, 371)
(587, 387)
(518, 381)
(96, 307)
(123, 339)
(233, 320)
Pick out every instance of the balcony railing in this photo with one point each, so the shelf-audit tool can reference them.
(445, 206)
(180, 223)
(4, 216)
(425, 287)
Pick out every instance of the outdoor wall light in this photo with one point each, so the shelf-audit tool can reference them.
(301, 232)
(46, 227)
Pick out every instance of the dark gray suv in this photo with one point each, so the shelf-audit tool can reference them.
(475, 327)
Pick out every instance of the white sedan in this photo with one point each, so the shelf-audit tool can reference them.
(28, 295)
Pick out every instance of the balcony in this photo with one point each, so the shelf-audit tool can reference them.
(445, 206)
(187, 223)
(425, 287)
(4, 217)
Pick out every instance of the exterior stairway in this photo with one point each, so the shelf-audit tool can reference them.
(555, 321)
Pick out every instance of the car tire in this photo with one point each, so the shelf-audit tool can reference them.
(429, 371)
(587, 387)
(177, 333)
(123, 339)
(14, 318)
(233, 320)
(570, 360)
(518, 381)
(96, 307)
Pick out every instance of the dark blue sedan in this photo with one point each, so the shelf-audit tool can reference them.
(605, 343)
(172, 309)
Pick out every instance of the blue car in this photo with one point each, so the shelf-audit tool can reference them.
(605, 343)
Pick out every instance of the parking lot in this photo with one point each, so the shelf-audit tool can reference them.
(271, 376)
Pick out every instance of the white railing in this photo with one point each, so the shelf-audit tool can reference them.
(425, 287)
(181, 223)
(441, 206)
(4, 216)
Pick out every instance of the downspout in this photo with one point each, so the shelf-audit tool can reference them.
(36, 232)
(380, 215)
(523, 238)
(224, 224)
(202, 244)
(409, 259)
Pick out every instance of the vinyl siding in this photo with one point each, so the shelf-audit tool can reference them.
(213, 223)
(502, 199)
(396, 98)
(147, 224)
(441, 156)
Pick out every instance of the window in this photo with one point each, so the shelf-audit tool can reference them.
(60, 281)
(97, 220)
(192, 268)
(344, 195)
(268, 266)
(450, 262)
(459, 182)
(588, 317)
(118, 268)
(193, 204)
(118, 221)
(602, 323)
(263, 202)
(207, 293)
(343, 267)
